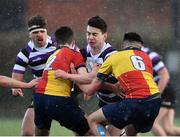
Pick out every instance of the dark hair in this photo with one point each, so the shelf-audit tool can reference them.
(98, 22)
(132, 37)
(37, 20)
(64, 35)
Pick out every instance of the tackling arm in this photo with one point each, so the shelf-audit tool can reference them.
(91, 88)
(83, 77)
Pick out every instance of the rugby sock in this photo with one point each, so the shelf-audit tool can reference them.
(123, 133)
(100, 129)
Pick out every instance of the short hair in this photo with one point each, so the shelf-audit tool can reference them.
(64, 35)
(133, 37)
(98, 22)
(37, 20)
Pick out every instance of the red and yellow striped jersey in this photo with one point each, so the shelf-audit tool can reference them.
(61, 59)
(133, 69)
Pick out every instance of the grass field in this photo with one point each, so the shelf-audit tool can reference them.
(11, 127)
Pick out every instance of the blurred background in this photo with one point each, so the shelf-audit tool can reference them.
(157, 21)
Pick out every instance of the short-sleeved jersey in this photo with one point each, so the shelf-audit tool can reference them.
(61, 59)
(156, 62)
(34, 57)
(133, 69)
(104, 95)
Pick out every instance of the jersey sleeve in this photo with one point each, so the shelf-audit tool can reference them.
(105, 70)
(21, 62)
(156, 61)
(78, 60)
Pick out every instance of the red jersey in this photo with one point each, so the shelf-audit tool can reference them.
(61, 59)
(133, 69)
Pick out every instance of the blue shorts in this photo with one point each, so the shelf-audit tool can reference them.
(61, 109)
(141, 113)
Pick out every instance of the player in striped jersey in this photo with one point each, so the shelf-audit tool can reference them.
(96, 52)
(34, 55)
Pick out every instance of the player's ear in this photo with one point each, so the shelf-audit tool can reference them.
(105, 35)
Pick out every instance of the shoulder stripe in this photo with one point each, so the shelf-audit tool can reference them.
(23, 56)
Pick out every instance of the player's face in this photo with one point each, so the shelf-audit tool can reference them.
(39, 38)
(95, 37)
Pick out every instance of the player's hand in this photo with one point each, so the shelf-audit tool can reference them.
(61, 74)
(73, 70)
(118, 90)
(17, 92)
(95, 69)
(33, 82)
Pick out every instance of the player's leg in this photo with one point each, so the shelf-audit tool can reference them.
(97, 121)
(27, 128)
(69, 115)
(130, 130)
(41, 119)
(168, 123)
(41, 132)
(113, 131)
(157, 127)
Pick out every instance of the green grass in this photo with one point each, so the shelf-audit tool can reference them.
(11, 127)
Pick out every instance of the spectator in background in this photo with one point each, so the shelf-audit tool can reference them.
(164, 123)
(34, 55)
(12, 83)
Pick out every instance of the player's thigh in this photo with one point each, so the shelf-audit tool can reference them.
(41, 118)
(69, 115)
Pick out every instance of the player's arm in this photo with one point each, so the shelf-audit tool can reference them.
(17, 76)
(13, 83)
(82, 77)
(19, 69)
(17, 91)
(91, 88)
(164, 79)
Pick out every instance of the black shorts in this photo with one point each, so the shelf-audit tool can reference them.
(102, 103)
(169, 97)
(61, 109)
